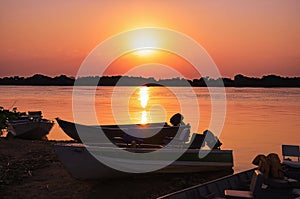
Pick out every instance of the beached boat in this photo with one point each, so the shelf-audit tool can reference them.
(82, 165)
(29, 126)
(117, 133)
(246, 184)
(251, 183)
(213, 189)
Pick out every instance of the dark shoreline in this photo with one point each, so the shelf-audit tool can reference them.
(30, 169)
(238, 81)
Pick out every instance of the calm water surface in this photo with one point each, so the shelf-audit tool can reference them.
(258, 120)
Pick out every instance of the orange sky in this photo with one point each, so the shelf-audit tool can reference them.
(53, 37)
(155, 63)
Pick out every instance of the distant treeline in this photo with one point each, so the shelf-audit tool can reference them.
(238, 81)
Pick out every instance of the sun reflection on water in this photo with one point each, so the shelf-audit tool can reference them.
(144, 96)
(146, 105)
(144, 117)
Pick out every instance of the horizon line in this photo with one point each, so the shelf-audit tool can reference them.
(157, 79)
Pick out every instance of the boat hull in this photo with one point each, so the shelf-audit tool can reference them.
(279, 189)
(162, 130)
(82, 165)
(30, 129)
(214, 188)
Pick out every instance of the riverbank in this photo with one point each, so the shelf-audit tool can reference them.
(30, 169)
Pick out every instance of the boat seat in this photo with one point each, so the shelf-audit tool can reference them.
(128, 139)
(255, 188)
(291, 163)
(118, 139)
(291, 151)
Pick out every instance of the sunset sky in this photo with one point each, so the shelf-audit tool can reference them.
(253, 38)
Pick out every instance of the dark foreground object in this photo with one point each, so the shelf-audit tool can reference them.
(83, 165)
(31, 126)
(30, 169)
(247, 184)
(90, 133)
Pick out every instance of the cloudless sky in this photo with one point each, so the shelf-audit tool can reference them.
(253, 38)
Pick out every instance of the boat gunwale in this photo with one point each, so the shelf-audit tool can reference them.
(161, 125)
(205, 184)
(81, 145)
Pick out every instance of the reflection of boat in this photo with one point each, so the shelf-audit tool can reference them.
(82, 165)
(29, 126)
(160, 131)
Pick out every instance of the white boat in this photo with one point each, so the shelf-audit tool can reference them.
(30, 126)
(82, 165)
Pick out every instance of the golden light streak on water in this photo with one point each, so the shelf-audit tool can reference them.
(144, 117)
(144, 96)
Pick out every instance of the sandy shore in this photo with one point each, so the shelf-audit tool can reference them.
(30, 169)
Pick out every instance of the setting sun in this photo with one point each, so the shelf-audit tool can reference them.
(144, 39)
(145, 52)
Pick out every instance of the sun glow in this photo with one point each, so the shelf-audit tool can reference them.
(144, 42)
(144, 52)
(144, 39)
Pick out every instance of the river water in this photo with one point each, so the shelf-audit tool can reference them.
(258, 120)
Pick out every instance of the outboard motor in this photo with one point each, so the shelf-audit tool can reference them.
(177, 120)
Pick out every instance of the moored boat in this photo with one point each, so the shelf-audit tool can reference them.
(117, 133)
(261, 182)
(83, 165)
(30, 126)
(213, 189)
(246, 184)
